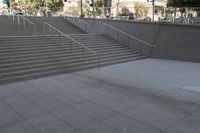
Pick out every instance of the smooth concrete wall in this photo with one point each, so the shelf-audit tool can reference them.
(172, 41)
(178, 43)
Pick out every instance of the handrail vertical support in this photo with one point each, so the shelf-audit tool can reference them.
(85, 28)
(18, 21)
(13, 18)
(24, 24)
(43, 28)
(70, 43)
(117, 35)
(105, 29)
(128, 42)
(49, 29)
(83, 54)
(35, 29)
(98, 62)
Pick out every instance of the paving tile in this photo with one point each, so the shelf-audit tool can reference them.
(181, 128)
(149, 118)
(62, 110)
(50, 103)
(196, 113)
(18, 127)
(173, 103)
(31, 93)
(49, 124)
(8, 115)
(77, 119)
(64, 85)
(125, 99)
(99, 128)
(50, 89)
(25, 107)
(84, 93)
(17, 101)
(94, 110)
(127, 125)
(29, 110)
(7, 92)
(69, 98)
(111, 104)
(162, 111)
(193, 121)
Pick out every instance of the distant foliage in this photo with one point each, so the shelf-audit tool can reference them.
(124, 11)
(140, 9)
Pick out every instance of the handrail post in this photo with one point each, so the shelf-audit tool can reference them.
(140, 47)
(105, 29)
(151, 52)
(70, 44)
(35, 29)
(13, 18)
(117, 35)
(128, 42)
(49, 29)
(83, 52)
(85, 28)
(43, 28)
(98, 61)
(18, 21)
(24, 24)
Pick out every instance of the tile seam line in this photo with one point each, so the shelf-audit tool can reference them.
(21, 116)
(48, 112)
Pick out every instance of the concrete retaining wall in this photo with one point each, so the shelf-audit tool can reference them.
(172, 41)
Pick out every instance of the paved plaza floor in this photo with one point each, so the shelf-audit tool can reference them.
(144, 96)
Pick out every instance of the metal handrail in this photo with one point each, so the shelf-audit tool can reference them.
(128, 35)
(84, 21)
(71, 39)
(25, 19)
(80, 22)
(24, 22)
(189, 19)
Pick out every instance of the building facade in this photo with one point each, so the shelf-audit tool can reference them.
(139, 8)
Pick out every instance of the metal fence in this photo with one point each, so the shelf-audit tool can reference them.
(145, 13)
(185, 15)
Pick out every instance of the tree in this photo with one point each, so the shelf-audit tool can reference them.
(124, 11)
(98, 5)
(53, 5)
(140, 10)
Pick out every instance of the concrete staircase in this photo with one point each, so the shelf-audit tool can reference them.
(29, 57)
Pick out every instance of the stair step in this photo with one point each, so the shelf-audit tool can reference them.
(13, 65)
(61, 71)
(58, 49)
(61, 66)
(16, 47)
